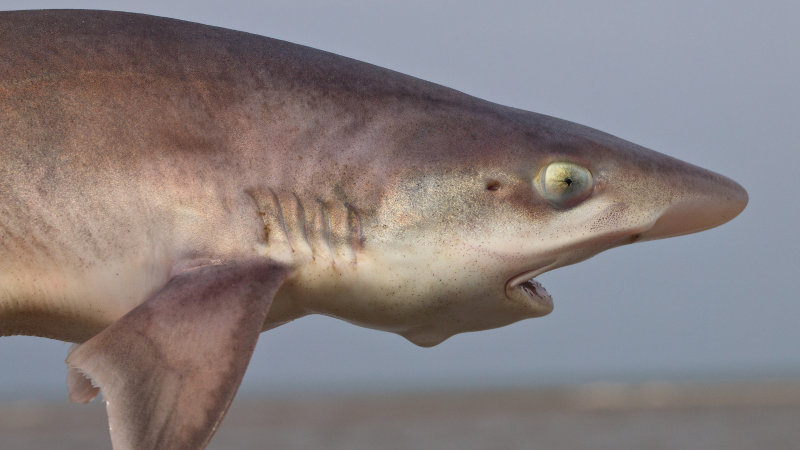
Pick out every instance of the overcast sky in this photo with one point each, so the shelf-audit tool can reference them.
(715, 83)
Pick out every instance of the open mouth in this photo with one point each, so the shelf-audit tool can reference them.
(526, 289)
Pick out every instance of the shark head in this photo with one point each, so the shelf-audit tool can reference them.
(477, 204)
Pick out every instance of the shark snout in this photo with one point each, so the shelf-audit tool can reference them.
(708, 201)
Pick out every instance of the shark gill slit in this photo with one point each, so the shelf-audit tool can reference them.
(356, 239)
(302, 225)
(331, 229)
(281, 218)
(261, 213)
(326, 228)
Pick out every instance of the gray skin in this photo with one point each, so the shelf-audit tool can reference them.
(169, 190)
(136, 147)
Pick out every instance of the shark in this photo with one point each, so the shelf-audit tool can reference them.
(170, 190)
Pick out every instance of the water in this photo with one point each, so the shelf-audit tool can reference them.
(651, 416)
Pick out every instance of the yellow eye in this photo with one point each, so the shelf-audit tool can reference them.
(566, 184)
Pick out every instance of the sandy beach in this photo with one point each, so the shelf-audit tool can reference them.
(603, 416)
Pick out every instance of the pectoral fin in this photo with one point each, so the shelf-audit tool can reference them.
(170, 368)
(79, 386)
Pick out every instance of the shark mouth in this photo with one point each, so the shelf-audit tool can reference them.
(535, 291)
(526, 289)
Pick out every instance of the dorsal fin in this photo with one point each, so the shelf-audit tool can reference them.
(170, 368)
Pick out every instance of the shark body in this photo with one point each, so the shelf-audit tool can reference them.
(169, 190)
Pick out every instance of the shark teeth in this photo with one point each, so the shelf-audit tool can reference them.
(536, 292)
(525, 289)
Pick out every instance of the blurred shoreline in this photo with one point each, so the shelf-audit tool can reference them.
(655, 415)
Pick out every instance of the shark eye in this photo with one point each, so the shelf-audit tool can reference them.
(566, 184)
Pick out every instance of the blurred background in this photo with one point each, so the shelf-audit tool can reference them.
(714, 83)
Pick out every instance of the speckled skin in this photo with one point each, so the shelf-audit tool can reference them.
(133, 148)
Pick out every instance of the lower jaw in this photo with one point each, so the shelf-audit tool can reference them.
(533, 295)
(526, 290)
